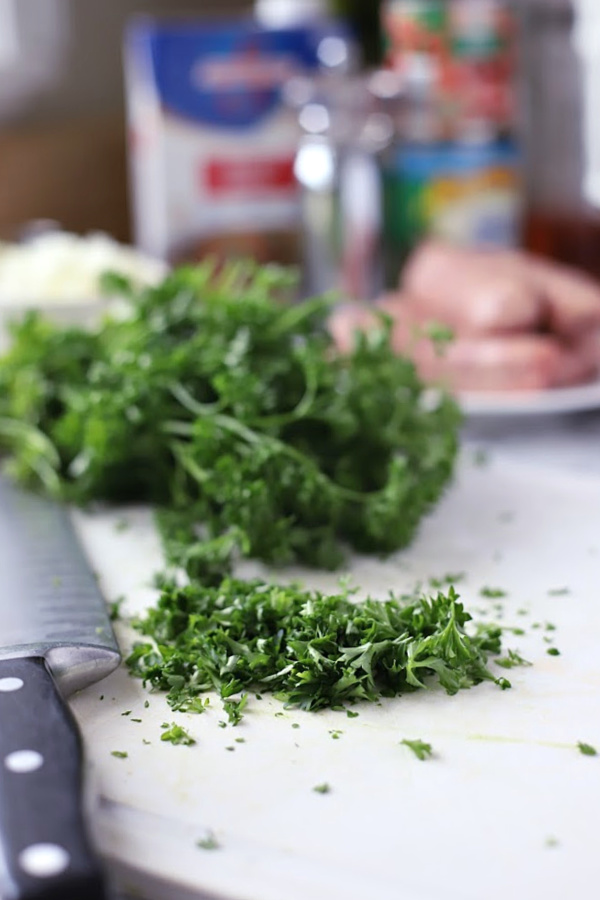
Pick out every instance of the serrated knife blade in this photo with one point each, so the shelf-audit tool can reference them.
(55, 638)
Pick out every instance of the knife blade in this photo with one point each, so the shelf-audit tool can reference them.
(55, 638)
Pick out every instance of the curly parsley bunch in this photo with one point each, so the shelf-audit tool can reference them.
(224, 405)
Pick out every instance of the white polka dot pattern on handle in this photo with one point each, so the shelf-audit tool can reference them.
(23, 761)
(10, 684)
(44, 860)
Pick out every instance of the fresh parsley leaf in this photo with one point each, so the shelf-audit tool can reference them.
(225, 406)
(421, 749)
(553, 651)
(120, 754)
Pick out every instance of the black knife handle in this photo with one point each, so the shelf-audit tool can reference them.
(42, 830)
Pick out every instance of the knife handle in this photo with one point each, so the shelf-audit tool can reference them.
(42, 832)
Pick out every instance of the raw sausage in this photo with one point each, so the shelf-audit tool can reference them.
(474, 292)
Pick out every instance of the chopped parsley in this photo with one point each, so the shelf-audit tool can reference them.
(312, 650)
(208, 842)
(492, 592)
(114, 608)
(234, 709)
(176, 734)
(421, 749)
(120, 754)
(587, 749)
(511, 660)
(553, 651)
(322, 788)
(445, 580)
(558, 592)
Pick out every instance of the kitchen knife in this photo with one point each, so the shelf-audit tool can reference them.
(55, 638)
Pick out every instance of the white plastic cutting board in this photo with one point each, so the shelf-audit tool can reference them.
(508, 806)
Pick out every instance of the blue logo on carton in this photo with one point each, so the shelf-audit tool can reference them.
(224, 75)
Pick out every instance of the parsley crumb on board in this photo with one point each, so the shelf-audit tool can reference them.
(234, 709)
(120, 754)
(208, 842)
(322, 788)
(586, 749)
(492, 592)
(176, 734)
(421, 749)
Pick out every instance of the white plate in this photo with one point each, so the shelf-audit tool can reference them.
(515, 403)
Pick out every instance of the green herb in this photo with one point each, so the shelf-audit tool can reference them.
(146, 704)
(551, 842)
(335, 734)
(439, 334)
(553, 651)
(230, 748)
(295, 725)
(419, 748)
(511, 660)
(587, 749)
(176, 734)
(209, 842)
(550, 626)
(240, 740)
(135, 720)
(558, 592)
(127, 712)
(517, 631)
(101, 697)
(322, 788)
(144, 741)
(234, 709)
(449, 578)
(227, 408)
(120, 754)
(310, 649)
(114, 608)
(352, 714)
(492, 592)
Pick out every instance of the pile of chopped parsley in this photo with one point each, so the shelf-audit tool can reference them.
(223, 404)
(312, 650)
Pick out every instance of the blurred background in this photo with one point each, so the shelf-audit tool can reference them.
(338, 144)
